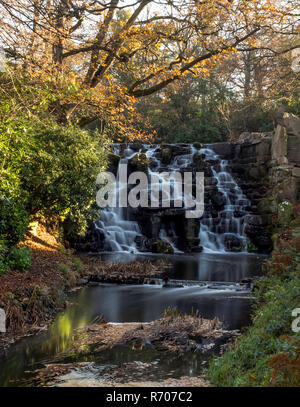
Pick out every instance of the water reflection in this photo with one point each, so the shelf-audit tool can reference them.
(203, 267)
(139, 304)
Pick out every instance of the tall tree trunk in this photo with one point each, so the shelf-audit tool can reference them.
(247, 75)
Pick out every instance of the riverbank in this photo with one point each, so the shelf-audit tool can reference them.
(268, 353)
(31, 299)
(175, 336)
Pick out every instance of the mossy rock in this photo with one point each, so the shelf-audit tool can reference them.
(267, 205)
(166, 155)
(161, 246)
(140, 162)
(197, 145)
(251, 248)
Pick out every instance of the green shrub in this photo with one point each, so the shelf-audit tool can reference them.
(3, 267)
(65, 268)
(14, 221)
(78, 265)
(59, 173)
(247, 364)
(19, 258)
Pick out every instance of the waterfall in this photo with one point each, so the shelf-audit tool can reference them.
(221, 229)
(119, 231)
(217, 232)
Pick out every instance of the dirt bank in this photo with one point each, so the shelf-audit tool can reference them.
(31, 299)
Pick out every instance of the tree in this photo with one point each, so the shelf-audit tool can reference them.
(115, 52)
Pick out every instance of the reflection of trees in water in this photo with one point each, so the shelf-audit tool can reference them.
(61, 332)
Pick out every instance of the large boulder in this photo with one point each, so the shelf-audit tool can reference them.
(218, 200)
(233, 243)
(267, 206)
(139, 162)
(93, 241)
(161, 246)
(259, 237)
(291, 122)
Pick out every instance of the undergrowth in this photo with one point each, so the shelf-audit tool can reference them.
(268, 353)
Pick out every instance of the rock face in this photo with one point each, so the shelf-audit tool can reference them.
(2, 321)
(268, 167)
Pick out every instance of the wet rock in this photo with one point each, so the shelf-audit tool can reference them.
(197, 249)
(136, 146)
(93, 241)
(199, 162)
(139, 162)
(232, 243)
(83, 281)
(259, 237)
(161, 246)
(170, 284)
(198, 145)
(218, 200)
(224, 150)
(180, 149)
(166, 155)
(113, 162)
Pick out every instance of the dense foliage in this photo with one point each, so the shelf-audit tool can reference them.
(46, 169)
(268, 352)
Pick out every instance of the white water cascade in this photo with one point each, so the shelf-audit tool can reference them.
(218, 229)
(119, 231)
(230, 222)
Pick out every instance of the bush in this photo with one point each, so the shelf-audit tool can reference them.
(77, 263)
(19, 259)
(268, 352)
(59, 173)
(14, 221)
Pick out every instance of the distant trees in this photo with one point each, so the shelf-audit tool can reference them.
(189, 113)
(101, 56)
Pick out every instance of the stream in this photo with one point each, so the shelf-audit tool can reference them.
(210, 285)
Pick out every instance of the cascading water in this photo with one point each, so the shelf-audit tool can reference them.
(119, 231)
(228, 225)
(220, 230)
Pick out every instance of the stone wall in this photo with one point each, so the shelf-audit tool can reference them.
(267, 168)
